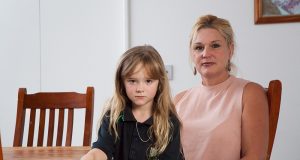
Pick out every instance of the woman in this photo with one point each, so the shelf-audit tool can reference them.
(224, 117)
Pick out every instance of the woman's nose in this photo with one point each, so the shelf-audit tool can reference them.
(205, 52)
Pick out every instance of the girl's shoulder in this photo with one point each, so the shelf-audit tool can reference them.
(107, 116)
(174, 120)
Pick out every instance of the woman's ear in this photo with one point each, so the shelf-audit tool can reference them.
(231, 48)
(191, 56)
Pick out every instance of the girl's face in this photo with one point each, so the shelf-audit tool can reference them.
(140, 88)
(210, 54)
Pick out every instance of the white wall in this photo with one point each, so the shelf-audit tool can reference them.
(82, 40)
(19, 58)
(58, 46)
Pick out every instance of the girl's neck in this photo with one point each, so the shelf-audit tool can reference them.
(141, 114)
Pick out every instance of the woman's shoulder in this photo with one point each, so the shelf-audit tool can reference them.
(253, 88)
(254, 93)
(238, 81)
(178, 96)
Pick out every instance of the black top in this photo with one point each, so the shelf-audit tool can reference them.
(129, 146)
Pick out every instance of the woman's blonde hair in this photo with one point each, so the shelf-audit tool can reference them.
(221, 25)
(163, 106)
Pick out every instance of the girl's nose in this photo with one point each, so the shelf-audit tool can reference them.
(139, 88)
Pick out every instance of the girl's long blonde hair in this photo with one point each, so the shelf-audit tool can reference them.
(162, 107)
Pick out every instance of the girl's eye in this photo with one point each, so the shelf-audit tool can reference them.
(215, 45)
(149, 81)
(131, 81)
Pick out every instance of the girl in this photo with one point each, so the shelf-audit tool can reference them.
(140, 121)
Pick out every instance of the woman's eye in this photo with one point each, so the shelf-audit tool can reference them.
(199, 48)
(215, 45)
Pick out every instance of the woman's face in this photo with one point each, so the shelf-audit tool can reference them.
(210, 54)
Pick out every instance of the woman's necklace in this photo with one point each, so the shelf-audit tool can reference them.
(140, 135)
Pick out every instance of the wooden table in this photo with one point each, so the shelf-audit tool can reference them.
(44, 153)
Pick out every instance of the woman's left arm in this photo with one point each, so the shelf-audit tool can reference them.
(255, 123)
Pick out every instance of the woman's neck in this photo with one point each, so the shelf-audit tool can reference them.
(211, 81)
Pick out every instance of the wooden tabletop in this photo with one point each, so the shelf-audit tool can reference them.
(44, 153)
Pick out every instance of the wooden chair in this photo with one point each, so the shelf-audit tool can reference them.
(1, 153)
(274, 97)
(52, 101)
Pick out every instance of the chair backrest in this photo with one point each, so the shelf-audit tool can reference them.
(53, 101)
(1, 153)
(274, 97)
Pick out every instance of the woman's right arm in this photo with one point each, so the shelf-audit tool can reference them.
(94, 154)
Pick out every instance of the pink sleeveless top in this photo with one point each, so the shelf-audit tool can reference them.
(211, 118)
